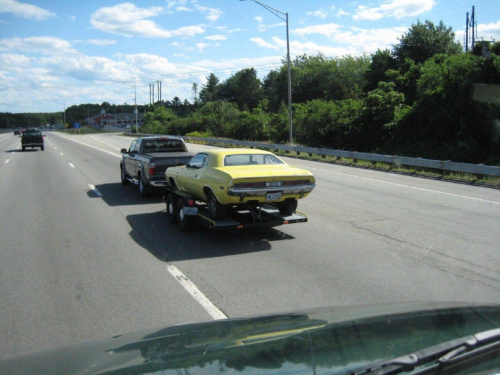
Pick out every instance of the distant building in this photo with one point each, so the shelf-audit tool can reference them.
(120, 120)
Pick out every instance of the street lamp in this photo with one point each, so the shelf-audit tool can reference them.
(280, 15)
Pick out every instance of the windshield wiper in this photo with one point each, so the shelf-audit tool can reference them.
(438, 357)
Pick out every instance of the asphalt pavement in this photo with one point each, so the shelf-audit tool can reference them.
(85, 258)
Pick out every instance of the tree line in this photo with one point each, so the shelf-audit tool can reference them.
(424, 97)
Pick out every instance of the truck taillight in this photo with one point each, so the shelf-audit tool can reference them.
(152, 168)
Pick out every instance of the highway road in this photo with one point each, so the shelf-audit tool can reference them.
(85, 258)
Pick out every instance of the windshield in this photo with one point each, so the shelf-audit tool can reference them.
(163, 145)
(251, 159)
(173, 162)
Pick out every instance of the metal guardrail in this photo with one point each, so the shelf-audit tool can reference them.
(447, 165)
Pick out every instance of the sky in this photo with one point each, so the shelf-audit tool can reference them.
(56, 54)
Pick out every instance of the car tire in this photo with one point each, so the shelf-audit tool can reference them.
(171, 209)
(185, 221)
(288, 206)
(24, 148)
(143, 188)
(217, 210)
(42, 148)
(123, 176)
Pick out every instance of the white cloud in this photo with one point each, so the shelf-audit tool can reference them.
(101, 42)
(39, 45)
(216, 37)
(489, 31)
(259, 19)
(262, 43)
(395, 9)
(128, 20)
(262, 27)
(318, 13)
(329, 30)
(213, 14)
(24, 10)
(202, 46)
(341, 13)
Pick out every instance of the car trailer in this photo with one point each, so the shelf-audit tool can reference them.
(182, 208)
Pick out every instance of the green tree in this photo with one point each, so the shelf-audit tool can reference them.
(424, 40)
(326, 124)
(210, 91)
(381, 62)
(218, 117)
(242, 88)
(446, 122)
(158, 121)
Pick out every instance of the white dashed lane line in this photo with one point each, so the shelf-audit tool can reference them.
(96, 191)
(71, 165)
(192, 289)
(6, 161)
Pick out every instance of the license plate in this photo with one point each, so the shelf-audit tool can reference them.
(191, 211)
(273, 196)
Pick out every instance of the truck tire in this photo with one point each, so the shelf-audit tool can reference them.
(123, 176)
(288, 206)
(217, 210)
(185, 221)
(171, 209)
(143, 188)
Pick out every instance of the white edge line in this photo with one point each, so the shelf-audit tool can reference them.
(407, 186)
(213, 311)
(94, 147)
(106, 143)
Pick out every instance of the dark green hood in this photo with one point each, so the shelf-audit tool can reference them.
(311, 342)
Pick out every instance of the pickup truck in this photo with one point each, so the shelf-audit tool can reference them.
(147, 159)
(32, 138)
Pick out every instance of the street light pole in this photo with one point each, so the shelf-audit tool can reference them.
(135, 111)
(280, 15)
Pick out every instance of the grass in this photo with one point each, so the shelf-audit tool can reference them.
(82, 131)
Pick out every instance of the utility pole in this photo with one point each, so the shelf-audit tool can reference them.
(473, 24)
(467, 33)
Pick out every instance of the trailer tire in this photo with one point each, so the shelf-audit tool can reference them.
(171, 209)
(185, 222)
(217, 210)
(288, 206)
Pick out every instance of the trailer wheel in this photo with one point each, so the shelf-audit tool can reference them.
(217, 210)
(171, 209)
(185, 221)
(288, 206)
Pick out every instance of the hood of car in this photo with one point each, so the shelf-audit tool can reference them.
(328, 339)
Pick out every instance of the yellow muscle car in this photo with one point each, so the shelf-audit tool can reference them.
(230, 177)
